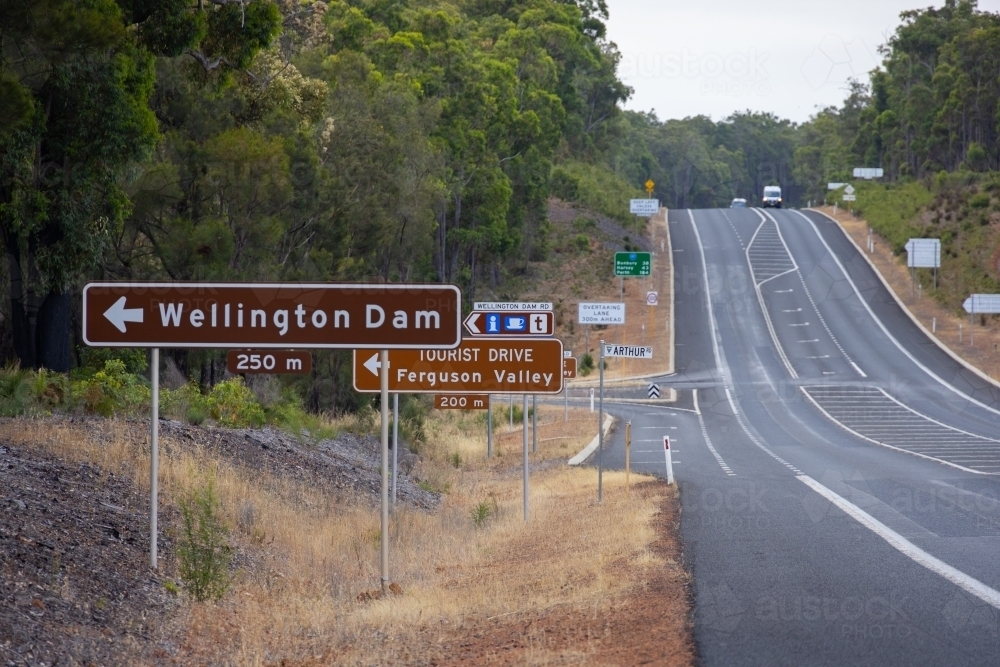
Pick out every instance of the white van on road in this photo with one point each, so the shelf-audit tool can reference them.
(772, 197)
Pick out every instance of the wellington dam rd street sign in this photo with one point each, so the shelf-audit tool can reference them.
(507, 323)
(529, 306)
(462, 401)
(633, 263)
(601, 313)
(271, 315)
(628, 351)
(478, 365)
(295, 362)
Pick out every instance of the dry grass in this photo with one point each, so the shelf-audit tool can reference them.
(306, 554)
(979, 349)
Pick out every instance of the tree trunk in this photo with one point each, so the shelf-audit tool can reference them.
(53, 333)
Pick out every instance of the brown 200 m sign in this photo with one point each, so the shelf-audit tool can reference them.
(271, 315)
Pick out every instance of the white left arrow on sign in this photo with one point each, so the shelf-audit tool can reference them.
(373, 364)
(118, 314)
(470, 323)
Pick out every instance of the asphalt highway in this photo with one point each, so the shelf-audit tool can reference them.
(839, 472)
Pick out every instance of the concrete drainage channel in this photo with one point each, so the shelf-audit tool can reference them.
(873, 415)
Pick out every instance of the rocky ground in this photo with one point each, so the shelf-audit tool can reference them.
(75, 584)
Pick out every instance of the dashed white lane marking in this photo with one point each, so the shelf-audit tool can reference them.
(753, 438)
(802, 280)
(968, 584)
(799, 324)
(811, 340)
(708, 441)
(783, 291)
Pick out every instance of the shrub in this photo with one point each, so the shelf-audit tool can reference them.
(981, 200)
(233, 404)
(15, 391)
(203, 552)
(581, 243)
(114, 390)
(485, 510)
(586, 364)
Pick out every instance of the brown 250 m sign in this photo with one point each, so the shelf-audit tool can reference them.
(271, 315)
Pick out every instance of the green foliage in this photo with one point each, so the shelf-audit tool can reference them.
(94, 358)
(484, 511)
(15, 391)
(597, 188)
(113, 390)
(231, 403)
(455, 459)
(586, 364)
(203, 552)
(891, 209)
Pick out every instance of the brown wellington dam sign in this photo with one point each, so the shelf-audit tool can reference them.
(295, 362)
(478, 365)
(272, 315)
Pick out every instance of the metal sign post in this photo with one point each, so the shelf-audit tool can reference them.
(628, 449)
(524, 440)
(534, 423)
(489, 428)
(395, 443)
(154, 454)
(385, 471)
(600, 432)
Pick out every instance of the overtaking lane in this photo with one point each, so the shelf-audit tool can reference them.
(728, 586)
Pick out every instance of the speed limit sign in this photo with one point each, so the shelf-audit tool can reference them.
(652, 298)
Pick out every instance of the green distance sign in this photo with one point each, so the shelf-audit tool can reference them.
(633, 263)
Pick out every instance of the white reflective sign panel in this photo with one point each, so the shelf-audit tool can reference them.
(869, 173)
(601, 313)
(923, 253)
(628, 351)
(512, 305)
(643, 207)
(982, 303)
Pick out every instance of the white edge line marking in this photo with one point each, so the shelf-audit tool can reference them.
(970, 585)
(906, 310)
(673, 295)
(708, 441)
(760, 297)
(885, 330)
(850, 430)
(860, 372)
(708, 299)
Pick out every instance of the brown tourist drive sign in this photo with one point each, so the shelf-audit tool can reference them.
(478, 365)
(272, 315)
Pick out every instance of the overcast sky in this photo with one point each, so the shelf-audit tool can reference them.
(714, 57)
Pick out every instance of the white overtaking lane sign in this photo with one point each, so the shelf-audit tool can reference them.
(601, 313)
